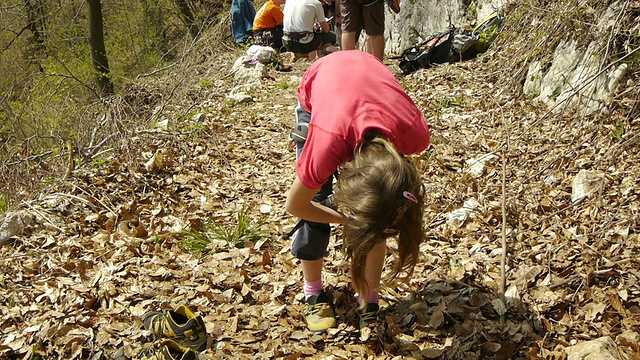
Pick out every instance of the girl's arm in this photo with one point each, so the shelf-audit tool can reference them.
(299, 204)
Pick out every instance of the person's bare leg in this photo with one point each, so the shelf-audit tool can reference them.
(373, 267)
(338, 23)
(376, 46)
(312, 269)
(348, 40)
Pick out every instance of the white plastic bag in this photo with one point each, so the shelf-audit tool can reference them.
(264, 54)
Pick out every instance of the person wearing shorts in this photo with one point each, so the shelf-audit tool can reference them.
(267, 24)
(334, 18)
(367, 15)
(359, 128)
(300, 35)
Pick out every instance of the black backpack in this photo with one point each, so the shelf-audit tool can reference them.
(435, 50)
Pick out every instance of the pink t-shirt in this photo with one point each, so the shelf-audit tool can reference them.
(347, 94)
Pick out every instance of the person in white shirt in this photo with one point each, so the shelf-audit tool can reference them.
(306, 31)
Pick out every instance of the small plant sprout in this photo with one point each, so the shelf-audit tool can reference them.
(617, 131)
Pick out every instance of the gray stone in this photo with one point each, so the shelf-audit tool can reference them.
(248, 70)
(419, 19)
(13, 224)
(578, 79)
(599, 349)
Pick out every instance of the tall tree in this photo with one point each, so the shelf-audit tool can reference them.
(35, 21)
(98, 51)
(36, 24)
(187, 16)
(154, 15)
(198, 14)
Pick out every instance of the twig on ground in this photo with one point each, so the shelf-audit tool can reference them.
(94, 198)
(503, 257)
(39, 213)
(565, 282)
(91, 151)
(70, 163)
(577, 202)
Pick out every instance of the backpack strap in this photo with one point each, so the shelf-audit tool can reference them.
(295, 228)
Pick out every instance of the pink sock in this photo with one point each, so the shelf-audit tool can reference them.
(374, 296)
(312, 288)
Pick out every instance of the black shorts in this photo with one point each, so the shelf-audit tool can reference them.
(319, 39)
(311, 240)
(269, 37)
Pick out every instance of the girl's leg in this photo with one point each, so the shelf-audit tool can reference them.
(312, 273)
(317, 310)
(310, 241)
(373, 270)
(372, 273)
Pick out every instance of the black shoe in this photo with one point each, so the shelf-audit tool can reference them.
(368, 316)
(283, 68)
(181, 325)
(166, 349)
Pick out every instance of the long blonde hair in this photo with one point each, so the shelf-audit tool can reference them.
(382, 194)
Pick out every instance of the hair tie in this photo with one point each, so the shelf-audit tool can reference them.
(410, 196)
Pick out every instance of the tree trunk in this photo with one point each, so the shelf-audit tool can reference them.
(35, 24)
(154, 15)
(187, 16)
(98, 51)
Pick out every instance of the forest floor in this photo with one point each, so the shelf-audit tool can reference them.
(108, 246)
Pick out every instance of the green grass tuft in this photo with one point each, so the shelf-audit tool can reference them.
(239, 235)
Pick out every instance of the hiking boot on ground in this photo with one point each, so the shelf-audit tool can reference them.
(368, 316)
(166, 349)
(394, 5)
(368, 323)
(283, 68)
(181, 325)
(319, 313)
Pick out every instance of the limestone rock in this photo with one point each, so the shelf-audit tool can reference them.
(13, 224)
(599, 349)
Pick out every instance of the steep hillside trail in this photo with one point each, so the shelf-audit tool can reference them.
(106, 247)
